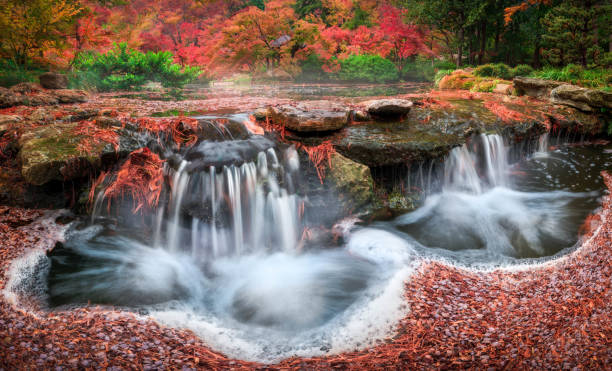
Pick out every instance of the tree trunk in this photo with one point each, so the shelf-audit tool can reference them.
(483, 41)
(460, 48)
(536, 54)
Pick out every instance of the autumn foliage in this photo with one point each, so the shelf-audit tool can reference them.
(140, 178)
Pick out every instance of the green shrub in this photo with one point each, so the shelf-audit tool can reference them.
(12, 74)
(486, 70)
(445, 65)
(312, 69)
(122, 68)
(522, 70)
(499, 70)
(367, 68)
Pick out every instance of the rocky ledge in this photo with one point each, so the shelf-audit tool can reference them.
(587, 100)
(30, 94)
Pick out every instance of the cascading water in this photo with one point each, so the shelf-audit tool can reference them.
(225, 259)
(484, 212)
(223, 255)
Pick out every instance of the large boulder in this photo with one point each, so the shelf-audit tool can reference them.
(537, 88)
(308, 117)
(52, 80)
(388, 108)
(584, 99)
(61, 152)
(67, 96)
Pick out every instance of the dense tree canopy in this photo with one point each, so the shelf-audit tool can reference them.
(261, 35)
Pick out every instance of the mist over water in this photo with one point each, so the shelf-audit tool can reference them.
(225, 256)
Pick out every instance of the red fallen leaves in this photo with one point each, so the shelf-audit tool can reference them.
(319, 155)
(140, 177)
(180, 129)
(94, 136)
(504, 113)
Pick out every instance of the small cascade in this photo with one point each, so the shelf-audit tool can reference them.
(234, 210)
(478, 167)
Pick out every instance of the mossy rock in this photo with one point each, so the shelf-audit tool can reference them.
(52, 153)
(353, 181)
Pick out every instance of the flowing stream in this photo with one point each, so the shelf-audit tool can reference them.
(225, 256)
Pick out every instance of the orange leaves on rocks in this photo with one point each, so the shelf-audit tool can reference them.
(180, 129)
(140, 177)
(504, 113)
(320, 156)
(93, 136)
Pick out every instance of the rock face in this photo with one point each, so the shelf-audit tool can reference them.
(584, 99)
(537, 88)
(314, 116)
(51, 80)
(352, 180)
(389, 108)
(30, 94)
(505, 89)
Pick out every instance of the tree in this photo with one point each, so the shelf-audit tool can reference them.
(30, 27)
(571, 31)
(407, 39)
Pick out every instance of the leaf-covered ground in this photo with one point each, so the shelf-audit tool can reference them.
(553, 316)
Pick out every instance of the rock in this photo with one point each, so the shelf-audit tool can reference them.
(26, 88)
(584, 99)
(537, 88)
(52, 80)
(312, 116)
(361, 116)
(41, 116)
(505, 89)
(352, 180)
(388, 107)
(260, 114)
(9, 98)
(9, 119)
(108, 122)
(52, 153)
(40, 99)
(70, 96)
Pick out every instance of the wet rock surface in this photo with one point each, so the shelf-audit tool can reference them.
(387, 108)
(308, 117)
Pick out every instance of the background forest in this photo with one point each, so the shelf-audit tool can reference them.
(122, 44)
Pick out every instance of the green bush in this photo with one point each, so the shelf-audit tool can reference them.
(499, 70)
(522, 70)
(312, 69)
(12, 74)
(122, 68)
(367, 68)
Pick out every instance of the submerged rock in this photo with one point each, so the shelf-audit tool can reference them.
(388, 108)
(537, 88)
(314, 116)
(51, 80)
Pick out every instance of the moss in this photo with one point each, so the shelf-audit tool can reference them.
(52, 153)
(352, 180)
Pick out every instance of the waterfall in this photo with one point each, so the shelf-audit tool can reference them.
(249, 209)
(478, 167)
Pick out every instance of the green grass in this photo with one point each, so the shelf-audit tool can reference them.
(175, 112)
(598, 78)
